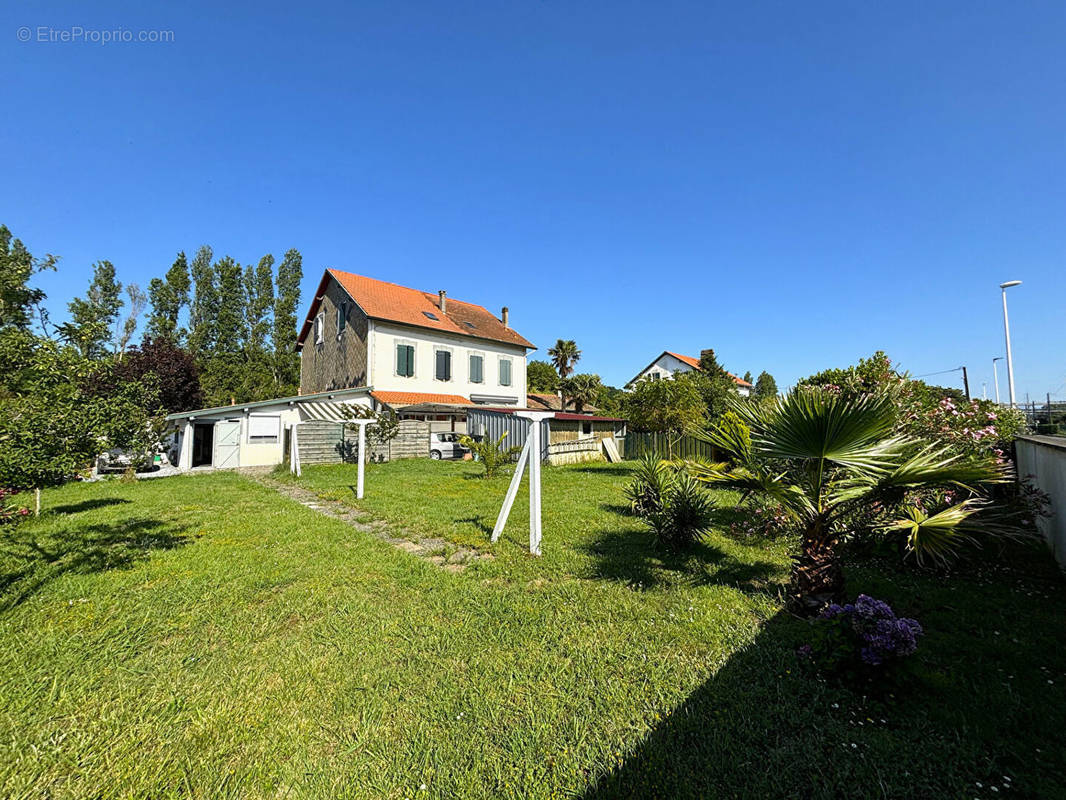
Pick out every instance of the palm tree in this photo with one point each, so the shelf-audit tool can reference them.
(583, 390)
(825, 459)
(564, 355)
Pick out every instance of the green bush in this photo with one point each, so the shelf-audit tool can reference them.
(671, 503)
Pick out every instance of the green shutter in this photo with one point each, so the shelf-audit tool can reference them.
(476, 369)
(405, 360)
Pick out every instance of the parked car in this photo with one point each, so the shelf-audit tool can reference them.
(446, 445)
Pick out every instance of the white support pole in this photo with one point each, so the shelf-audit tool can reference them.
(512, 491)
(362, 462)
(185, 453)
(296, 451)
(534, 488)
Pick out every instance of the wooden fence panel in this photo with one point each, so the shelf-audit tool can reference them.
(660, 445)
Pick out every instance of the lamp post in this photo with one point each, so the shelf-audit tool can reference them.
(995, 376)
(1006, 331)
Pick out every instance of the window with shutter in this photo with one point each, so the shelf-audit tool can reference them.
(505, 372)
(405, 360)
(477, 369)
(444, 365)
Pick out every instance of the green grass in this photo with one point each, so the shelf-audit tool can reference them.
(206, 637)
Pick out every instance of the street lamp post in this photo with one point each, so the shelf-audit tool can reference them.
(995, 376)
(1006, 331)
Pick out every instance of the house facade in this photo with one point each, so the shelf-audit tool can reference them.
(669, 363)
(412, 347)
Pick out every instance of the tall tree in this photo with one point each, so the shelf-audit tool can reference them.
(747, 376)
(93, 317)
(286, 303)
(230, 324)
(765, 386)
(670, 407)
(167, 297)
(259, 291)
(564, 356)
(129, 326)
(584, 390)
(715, 385)
(18, 300)
(203, 312)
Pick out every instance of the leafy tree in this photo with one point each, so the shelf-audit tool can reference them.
(167, 297)
(765, 386)
(231, 330)
(715, 385)
(18, 300)
(491, 453)
(541, 377)
(203, 313)
(747, 376)
(93, 317)
(823, 458)
(671, 407)
(173, 370)
(583, 389)
(610, 400)
(384, 429)
(258, 368)
(286, 303)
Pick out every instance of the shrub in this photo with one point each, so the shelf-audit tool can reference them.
(492, 454)
(671, 503)
(865, 636)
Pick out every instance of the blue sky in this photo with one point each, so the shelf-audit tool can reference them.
(793, 184)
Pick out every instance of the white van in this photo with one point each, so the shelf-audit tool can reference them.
(446, 445)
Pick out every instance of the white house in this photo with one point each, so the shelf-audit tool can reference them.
(372, 343)
(668, 363)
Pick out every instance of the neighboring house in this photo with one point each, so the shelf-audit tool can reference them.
(666, 364)
(412, 347)
(542, 401)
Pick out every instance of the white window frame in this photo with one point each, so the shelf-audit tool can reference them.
(510, 371)
(451, 363)
(469, 374)
(342, 318)
(273, 438)
(414, 359)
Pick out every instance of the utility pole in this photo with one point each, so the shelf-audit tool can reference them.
(965, 382)
(995, 376)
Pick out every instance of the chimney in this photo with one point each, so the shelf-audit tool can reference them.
(505, 316)
(443, 301)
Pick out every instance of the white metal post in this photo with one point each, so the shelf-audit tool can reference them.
(362, 462)
(1006, 331)
(534, 488)
(512, 490)
(995, 376)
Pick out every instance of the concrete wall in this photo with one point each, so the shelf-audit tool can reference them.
(385, 336)
(1042, 459)
(339, 361)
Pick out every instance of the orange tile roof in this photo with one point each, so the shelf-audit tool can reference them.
(396, 399)
(394, 303)
(695, 364)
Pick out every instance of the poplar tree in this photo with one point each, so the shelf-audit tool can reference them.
(286, 303)
(258, 373)
(203, 312)
(167, 297)
(93, 317)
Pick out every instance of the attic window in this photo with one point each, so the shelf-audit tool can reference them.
(431, 315)
(470, 324)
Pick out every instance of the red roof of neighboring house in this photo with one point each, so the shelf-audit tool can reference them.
(394, 303)
(411, 398)
(562, 415)
(695, 364)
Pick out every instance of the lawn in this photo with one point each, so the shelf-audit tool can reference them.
(206, 637)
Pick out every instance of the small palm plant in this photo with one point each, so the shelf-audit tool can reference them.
(825, 459)
(672, 504)
(491, 453)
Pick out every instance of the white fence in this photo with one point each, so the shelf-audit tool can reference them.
(1042, 459)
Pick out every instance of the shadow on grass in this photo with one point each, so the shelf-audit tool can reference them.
(29, 560)
(616, 469)
(88, 505)
(633, 556)
(478, 522)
